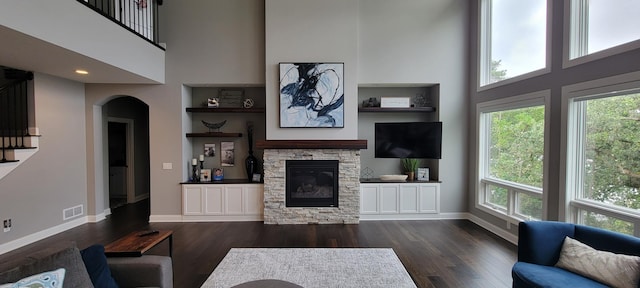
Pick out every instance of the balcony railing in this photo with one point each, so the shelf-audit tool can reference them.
(138, 16)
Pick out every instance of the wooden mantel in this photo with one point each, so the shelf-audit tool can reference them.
(312, 144)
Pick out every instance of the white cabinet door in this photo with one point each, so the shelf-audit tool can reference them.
(369, 199)
(429, 198)
(409, 198)
(254, 199)
(389, 198)
(214, 198)
(192, 200)
(234, 200)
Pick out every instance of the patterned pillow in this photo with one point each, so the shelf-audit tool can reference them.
(612, 269)
(50, 279)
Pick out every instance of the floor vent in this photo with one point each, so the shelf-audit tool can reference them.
(72, 212)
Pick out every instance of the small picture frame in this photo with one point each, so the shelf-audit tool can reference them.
(256, 177)
(218, 174)
(209, 150)
(227, 157)
(423, 174)
(205, 175)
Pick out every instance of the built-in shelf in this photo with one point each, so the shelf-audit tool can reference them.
(214, 134)
(410, 109)
(225, 110)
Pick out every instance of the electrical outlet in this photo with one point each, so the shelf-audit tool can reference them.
(7, 225)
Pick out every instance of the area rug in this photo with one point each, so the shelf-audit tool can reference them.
(309, 268)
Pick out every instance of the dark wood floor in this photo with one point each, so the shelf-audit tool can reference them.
(436, 253)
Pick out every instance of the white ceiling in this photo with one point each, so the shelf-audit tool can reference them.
(21, 51)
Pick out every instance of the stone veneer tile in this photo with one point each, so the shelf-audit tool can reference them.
(275, 210)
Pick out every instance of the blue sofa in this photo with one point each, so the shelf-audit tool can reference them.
(539, 245)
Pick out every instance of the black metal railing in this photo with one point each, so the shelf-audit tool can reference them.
(138, 16)
(14, 114)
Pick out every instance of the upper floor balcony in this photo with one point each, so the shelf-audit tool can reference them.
(138, 16)
(59, 37)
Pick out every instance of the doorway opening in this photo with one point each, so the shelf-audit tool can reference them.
(127, 152)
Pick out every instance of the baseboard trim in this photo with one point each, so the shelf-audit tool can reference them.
(439, 216)
(494, 229)
(165, 218)
(99, 217)
(26, 240)
(225, 218)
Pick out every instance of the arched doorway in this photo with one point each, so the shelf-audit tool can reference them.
(127, 152)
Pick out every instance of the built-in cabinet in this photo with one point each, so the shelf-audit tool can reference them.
(232, 117)
(222, 202)
(410, 200)
(425, 101)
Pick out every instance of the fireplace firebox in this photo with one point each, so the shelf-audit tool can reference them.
(311, 183)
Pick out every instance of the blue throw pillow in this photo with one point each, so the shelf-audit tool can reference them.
(96, 263)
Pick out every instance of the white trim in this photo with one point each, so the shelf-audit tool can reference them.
(413, 216)
(222, 218)
(515, 102)
(494, 229)
(99, 217)
(568, 39)
(165, 218)
(572, 134)
(130, 142)
(485, 58)
(31, 238)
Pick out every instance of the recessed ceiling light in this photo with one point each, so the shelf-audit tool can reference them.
(83, 72)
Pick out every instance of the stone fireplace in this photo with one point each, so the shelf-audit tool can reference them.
(276, 156)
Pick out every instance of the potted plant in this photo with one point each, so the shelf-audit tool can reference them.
(410, 165)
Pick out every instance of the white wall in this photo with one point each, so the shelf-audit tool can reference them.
(311, 31)
(35, 193)
(214, 42)
(423, 42)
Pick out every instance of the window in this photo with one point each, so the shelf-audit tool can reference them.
(597, 25)
(603, 163)
(511, 153)
(513, 38)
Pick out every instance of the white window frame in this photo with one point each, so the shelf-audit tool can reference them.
(572, 137)
(540, 98)
(577, 25)
(484, 52)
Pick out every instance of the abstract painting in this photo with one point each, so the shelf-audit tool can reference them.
(312, 95)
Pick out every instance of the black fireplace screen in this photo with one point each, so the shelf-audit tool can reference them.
(312, 183)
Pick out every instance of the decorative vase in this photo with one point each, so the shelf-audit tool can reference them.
(411, 176)
(251, 162)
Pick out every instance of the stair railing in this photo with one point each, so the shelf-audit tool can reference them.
(14, 115)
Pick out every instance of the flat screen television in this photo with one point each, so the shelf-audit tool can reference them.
(408, 140)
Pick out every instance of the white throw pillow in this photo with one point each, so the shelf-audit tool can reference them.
(616, 270)
(50, 279)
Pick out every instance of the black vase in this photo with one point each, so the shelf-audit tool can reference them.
(251, 164)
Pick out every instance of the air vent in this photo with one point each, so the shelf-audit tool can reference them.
(72, 212)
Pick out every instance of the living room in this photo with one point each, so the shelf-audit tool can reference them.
(239, 44)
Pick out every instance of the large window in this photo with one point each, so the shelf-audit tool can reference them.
(513, 38)
(511, 156)
(603, 166)
(597, 25)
